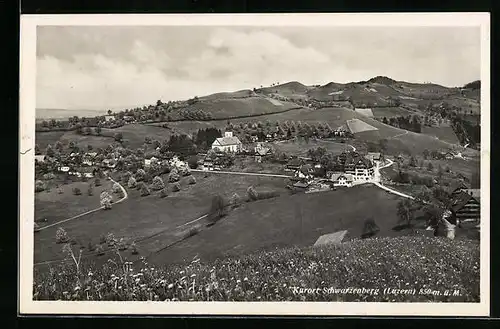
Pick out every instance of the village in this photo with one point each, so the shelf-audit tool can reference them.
(316, 172)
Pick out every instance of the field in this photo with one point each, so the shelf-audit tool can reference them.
(388, 112)
(134, 134)
(43, 139)
(55, 207)
(444, 133)
(288, 220)
(231, 108)
(301, 148)
(426, 264)
(140, 217)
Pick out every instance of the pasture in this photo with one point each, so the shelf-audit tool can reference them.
(289, 220)
(444, 133)
(151, 221)
(44, 138)
(388, 112)
(55, 207)
(301, 148)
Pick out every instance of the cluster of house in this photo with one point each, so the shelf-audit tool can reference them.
(175, 162)
(87, 167)
(350, 168)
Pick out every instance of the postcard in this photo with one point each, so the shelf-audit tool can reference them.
(267, 164)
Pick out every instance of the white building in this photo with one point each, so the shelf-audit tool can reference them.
(342, 179)
(228, 143)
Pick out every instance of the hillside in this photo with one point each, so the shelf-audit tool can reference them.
(296, 220)
(428, 265)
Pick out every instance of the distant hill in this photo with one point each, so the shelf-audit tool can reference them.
(473, 85)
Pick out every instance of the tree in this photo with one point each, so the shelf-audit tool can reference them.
(126, 176)
(49, 151)
(132, 183)
(61, 236)
(426, 154)
(116, 188)
(413, 162)
(98, 130)
(191, 180)
(217, 208)
(176, 187)
(370, 228)
(118, 137)
(97, 182)
(163, 193)
(40, 186)
(140, 174)
(145, 190)
(184, 171)
(235, 200)
(252, 193)
(193, 162)
(90, 190)
(157, 184)
(147, 140)
(440, 171)
(173, 176)
(405, 212)
(430, 167)
(106, 200)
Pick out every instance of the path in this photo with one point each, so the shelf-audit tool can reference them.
(406, 132)
(327, 141)
(376, 181)
(125, 196)
(241, 173)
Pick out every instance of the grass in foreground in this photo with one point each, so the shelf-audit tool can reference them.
(428, 265)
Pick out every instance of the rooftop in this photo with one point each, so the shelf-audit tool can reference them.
(332, 238)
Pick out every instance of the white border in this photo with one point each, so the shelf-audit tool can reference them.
(27, 129)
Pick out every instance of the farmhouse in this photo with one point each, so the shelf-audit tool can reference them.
(175, 162)
(228, 143)
(456, 188)
(340, 179)
(109, 118)
(261, 151)
(449, 156)
(465, 208)
(373, 156)
(294, 164)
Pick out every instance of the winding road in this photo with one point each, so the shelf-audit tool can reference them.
(125, 196)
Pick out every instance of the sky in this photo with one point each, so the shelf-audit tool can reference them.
(111, 67)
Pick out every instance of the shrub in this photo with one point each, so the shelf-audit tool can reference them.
(191, 232)
(121, 245)
(370, 228)
(97, 182)
(77, 191)
(133, 247)
(252, 193)
(49, 176)
(99, 250)
(173, 176)
(157, 184)
(163, 193)
(176, 187)
(40, 186)
(132, 182)
(90, 246)
(192, 180)
(145, 190)
(61, 236)
(235, 200)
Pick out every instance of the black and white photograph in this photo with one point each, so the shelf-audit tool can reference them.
(326, 164)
